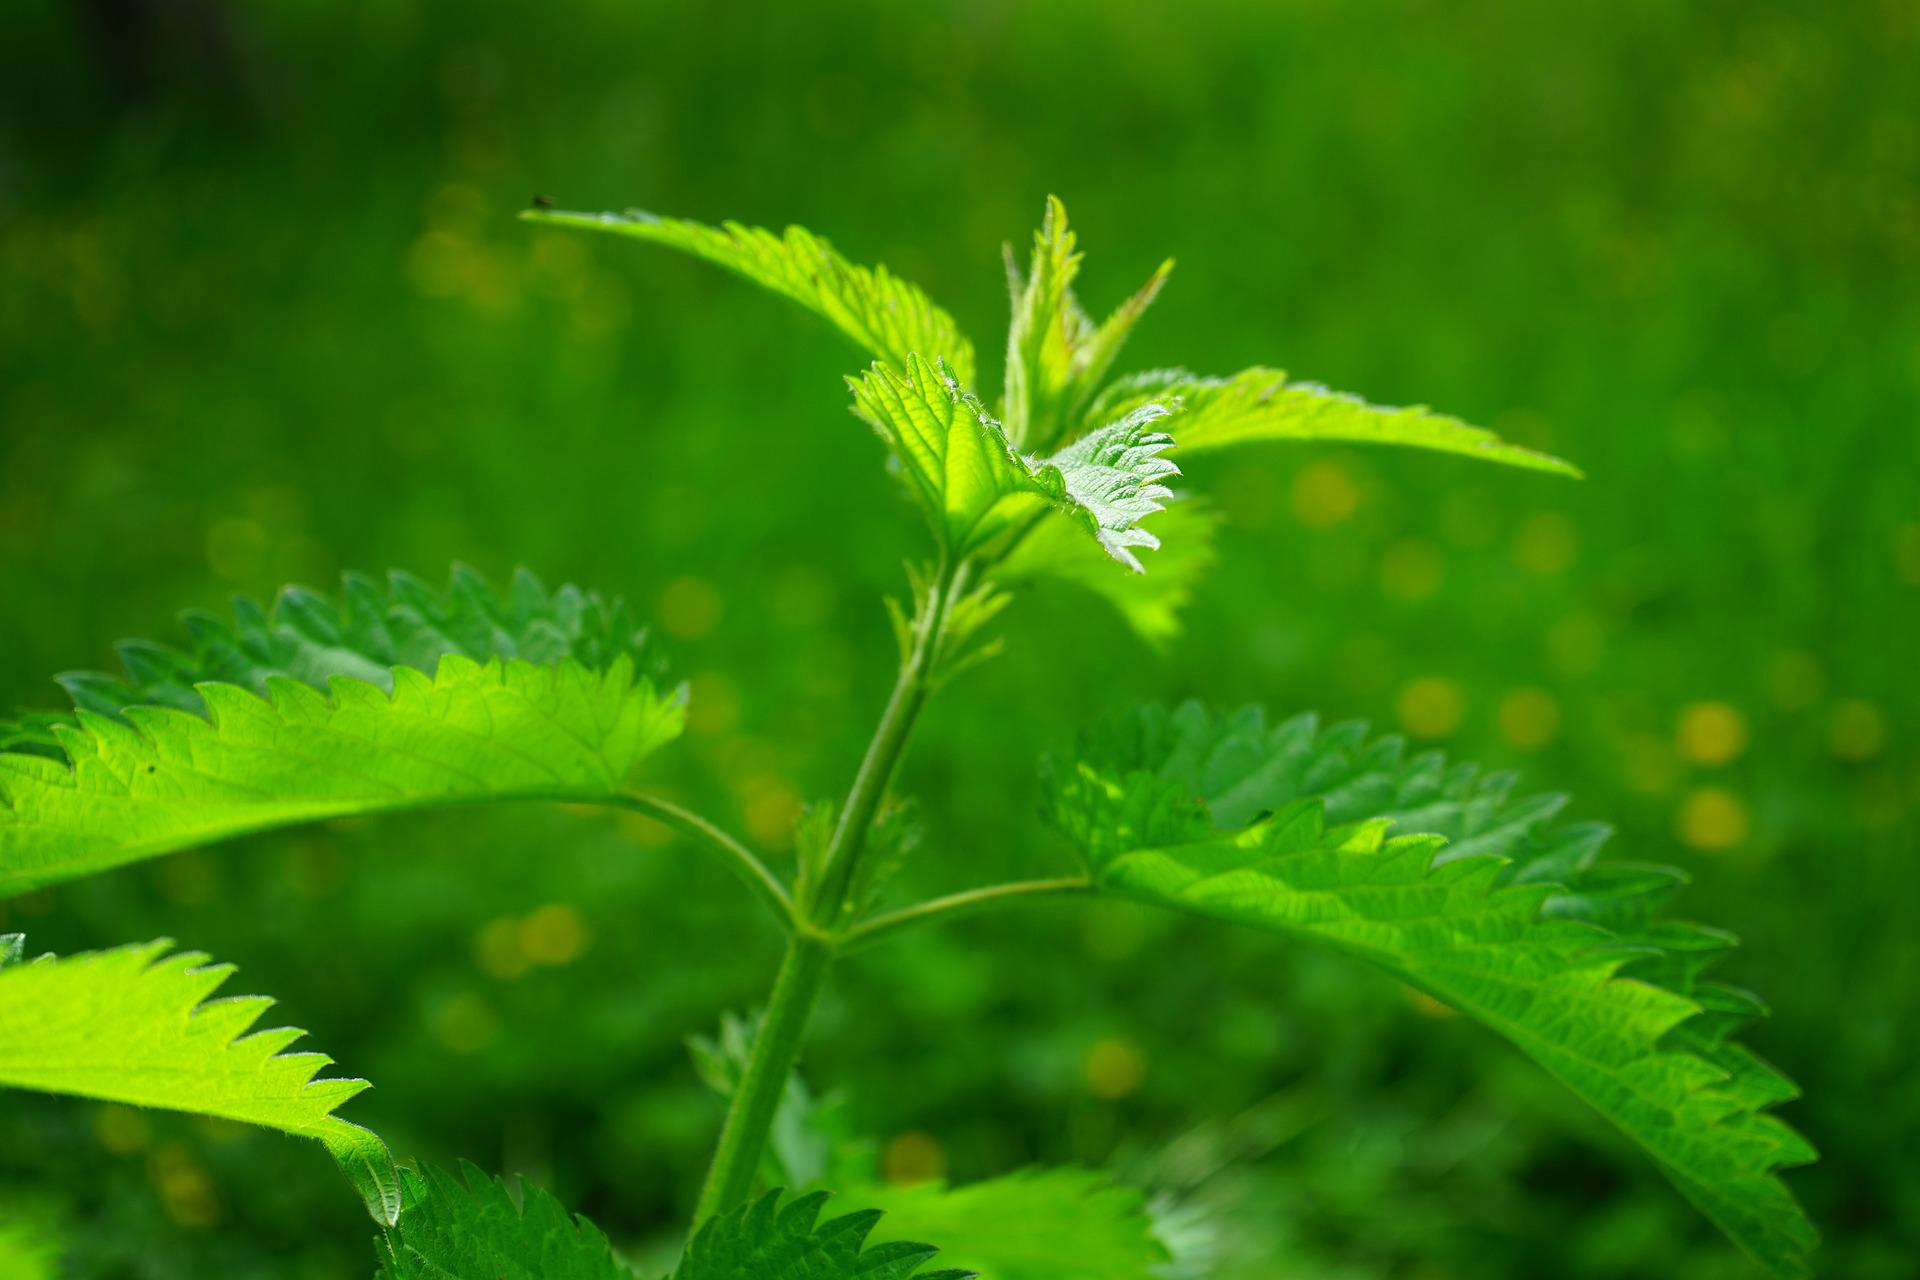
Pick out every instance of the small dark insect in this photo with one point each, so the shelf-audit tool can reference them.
(543, 202)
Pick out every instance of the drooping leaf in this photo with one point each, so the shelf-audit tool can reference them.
(974, 487)
(136, 1025)
(764, 1240)
(1514, 922)
(1261, 404)
(1057, 550)
(1039, 1224)
(1056, 356)
(472, 1227)
(161, 779)
(883, 314)
(365, 634)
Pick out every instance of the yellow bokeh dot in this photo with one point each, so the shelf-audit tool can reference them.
(642, 830)
(1428, 1007)
(122, 1130)
(1115, 1068)
(315, 869)
(1713, 819)
(1411, 569)
(1795, 680)
(1576, 644)
(770, 809)
(186, 1192)
(554, 934)
(1906, 554)
(1857, 730)
(1710, 733)
(1650, 765)
(1529, 718)
(496, 949)
(466, 1024)
(1431, 707)
(1546, 543)
(1323, 494)
(688, 608)
(713, 704)
(909, 1159)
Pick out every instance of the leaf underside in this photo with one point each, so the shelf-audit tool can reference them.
(152, 779)
(1480, 899)
(1038, 1224)
(473, 1228)
(883, 314)
(765, 1240)
(138, 1025)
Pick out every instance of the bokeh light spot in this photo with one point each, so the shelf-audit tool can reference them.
(912, 1158)
(1857, 731)
(1431, 707)
(1713, 819)
(1710, 733)
(1529, 718)
(1115, 1068)
(1324, 494)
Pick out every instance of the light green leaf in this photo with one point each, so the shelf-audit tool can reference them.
(880, 312)
(135, 1025)
(167, 779)
(954, 458)
(765, 1241)
(1513, 923)
(1261, 404)
(1057, 550)
(471, 1228)
(1056, 356)
(1039, 1224)
(975, 488)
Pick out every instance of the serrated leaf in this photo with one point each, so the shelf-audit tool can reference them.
(137, 1025)
(364, 634)
(1261, 404)
(1038, 1224)
(1151, 602)
(1479, 899)
(974, 487)
(886, 316)
(167, 779)
(472, 1227)
(765, 1240)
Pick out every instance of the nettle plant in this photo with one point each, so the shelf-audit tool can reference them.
(403, 697)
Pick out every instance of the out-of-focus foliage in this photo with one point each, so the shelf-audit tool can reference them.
(270, 317)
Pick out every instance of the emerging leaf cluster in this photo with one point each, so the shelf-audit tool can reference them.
(1059, 479)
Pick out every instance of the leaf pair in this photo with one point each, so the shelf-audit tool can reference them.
(1067, 453)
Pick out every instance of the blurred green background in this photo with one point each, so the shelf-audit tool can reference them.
(265, 314)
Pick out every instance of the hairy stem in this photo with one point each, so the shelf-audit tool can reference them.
(743, 1138)
(746, 865)
(883, 927)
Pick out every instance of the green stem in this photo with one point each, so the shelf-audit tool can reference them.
(748, 867)
(810, 951)
(743, 1139)
(880, 928)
